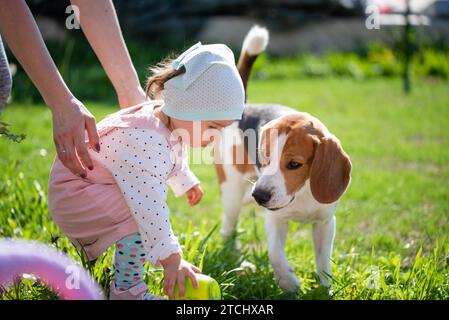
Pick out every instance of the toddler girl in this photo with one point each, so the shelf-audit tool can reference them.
(123, 199)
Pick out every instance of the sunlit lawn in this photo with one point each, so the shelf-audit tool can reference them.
(398, 201)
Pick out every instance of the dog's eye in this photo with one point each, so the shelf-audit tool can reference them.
(294, 165)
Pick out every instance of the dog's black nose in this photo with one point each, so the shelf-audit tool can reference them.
(261, 196)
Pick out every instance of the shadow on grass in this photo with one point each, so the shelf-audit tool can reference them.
(246, 273)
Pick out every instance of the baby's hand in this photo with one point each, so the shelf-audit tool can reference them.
(194, 195)
(175, 271)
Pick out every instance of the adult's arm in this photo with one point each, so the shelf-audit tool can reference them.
(70, 117)
(99, 22)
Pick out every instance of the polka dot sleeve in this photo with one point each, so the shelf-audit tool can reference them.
(183, 179)
(140, 163)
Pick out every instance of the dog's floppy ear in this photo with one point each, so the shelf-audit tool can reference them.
(330, 170)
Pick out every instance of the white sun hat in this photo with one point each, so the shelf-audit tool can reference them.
(210, 89)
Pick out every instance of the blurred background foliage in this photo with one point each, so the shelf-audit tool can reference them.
(154, 29)
(87, 79)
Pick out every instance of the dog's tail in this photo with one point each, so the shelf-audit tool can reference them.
(254, 44)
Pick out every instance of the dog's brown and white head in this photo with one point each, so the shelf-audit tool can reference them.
(295, 151)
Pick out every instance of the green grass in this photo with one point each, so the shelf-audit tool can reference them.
(392, 224)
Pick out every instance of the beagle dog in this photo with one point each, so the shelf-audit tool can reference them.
(300, 171)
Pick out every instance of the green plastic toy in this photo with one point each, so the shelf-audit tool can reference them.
(208, 289)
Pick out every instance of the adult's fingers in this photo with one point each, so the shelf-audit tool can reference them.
(94, 139)
(81, 151)
(66, 152)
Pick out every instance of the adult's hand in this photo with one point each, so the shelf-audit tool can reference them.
(70, 117)
(70, 120)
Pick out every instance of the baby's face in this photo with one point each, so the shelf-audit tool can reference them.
(200, 133)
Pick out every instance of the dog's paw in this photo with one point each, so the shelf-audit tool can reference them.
(288, 282)
(228, 233)
(325, 283)
(231, 239)
(323, 279)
